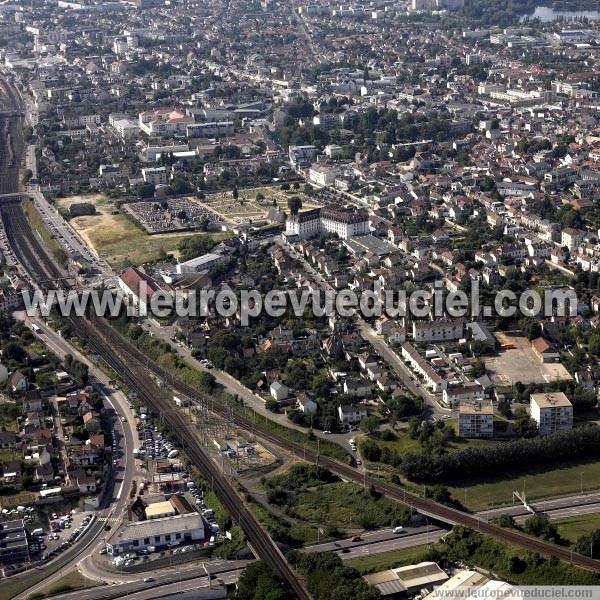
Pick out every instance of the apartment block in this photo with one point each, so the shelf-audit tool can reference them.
(476, 419)
(552, 412)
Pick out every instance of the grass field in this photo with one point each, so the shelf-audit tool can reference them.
(389, 560)
(572, 528)
(347, 505)
(117, 238)
(70, 582)
(564, 479)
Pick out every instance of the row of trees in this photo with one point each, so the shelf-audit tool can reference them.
(485, 460)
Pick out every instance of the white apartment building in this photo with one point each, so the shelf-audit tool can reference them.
(351, 414)
(437, 331)
(322, 175)
(458, 394)
(419, 364)
(476, 419)
(126, 128)
(571, 238)
(553, 412)
(155, 175)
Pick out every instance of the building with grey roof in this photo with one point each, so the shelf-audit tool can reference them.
(14, 546)
(167, 531)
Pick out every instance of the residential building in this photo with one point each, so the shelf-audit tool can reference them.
(155, 175)
(351, 414)
(465, 392)
(419, 364)
(476, 419)
(346, 223)
(279, 391)
(440, 330)
(553, 412)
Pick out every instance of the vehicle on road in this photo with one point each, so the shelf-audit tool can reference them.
(398, 529)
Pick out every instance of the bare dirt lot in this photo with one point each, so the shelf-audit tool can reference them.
(521, 364)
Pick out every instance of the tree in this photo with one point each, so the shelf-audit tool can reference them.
(506, 520)
(258, 582)
(14, 351)
(369, 424)
(594, 343)
(294, 204)
(589, 544)
(504, 408)
(369, 450)
(146, 190)
(540, 526)
(526, 427)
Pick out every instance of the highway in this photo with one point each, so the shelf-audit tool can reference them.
(161, 586)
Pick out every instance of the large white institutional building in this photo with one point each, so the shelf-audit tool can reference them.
(346, 223)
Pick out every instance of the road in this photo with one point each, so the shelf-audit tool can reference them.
(379, 344)
(70, 241)
(127, 440)
(161, 586)
(555, 508)
(380, 541)
(234, 387)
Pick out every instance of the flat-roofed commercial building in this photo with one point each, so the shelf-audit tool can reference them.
(14, 547)
(403, 581)
(158, 510)
(200, 263)
(158, 532)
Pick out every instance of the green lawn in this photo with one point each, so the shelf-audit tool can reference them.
(564, 479)
(118, 238)
(403, 444)
(572, 528)
(389, 560)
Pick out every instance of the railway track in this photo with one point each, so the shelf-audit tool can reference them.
(28, 249)
(134, 366)
(10, 140)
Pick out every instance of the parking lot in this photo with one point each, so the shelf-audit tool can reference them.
(65, 529)
(521, 364)
(65, 235)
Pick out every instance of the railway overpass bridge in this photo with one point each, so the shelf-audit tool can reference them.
(12, 198)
